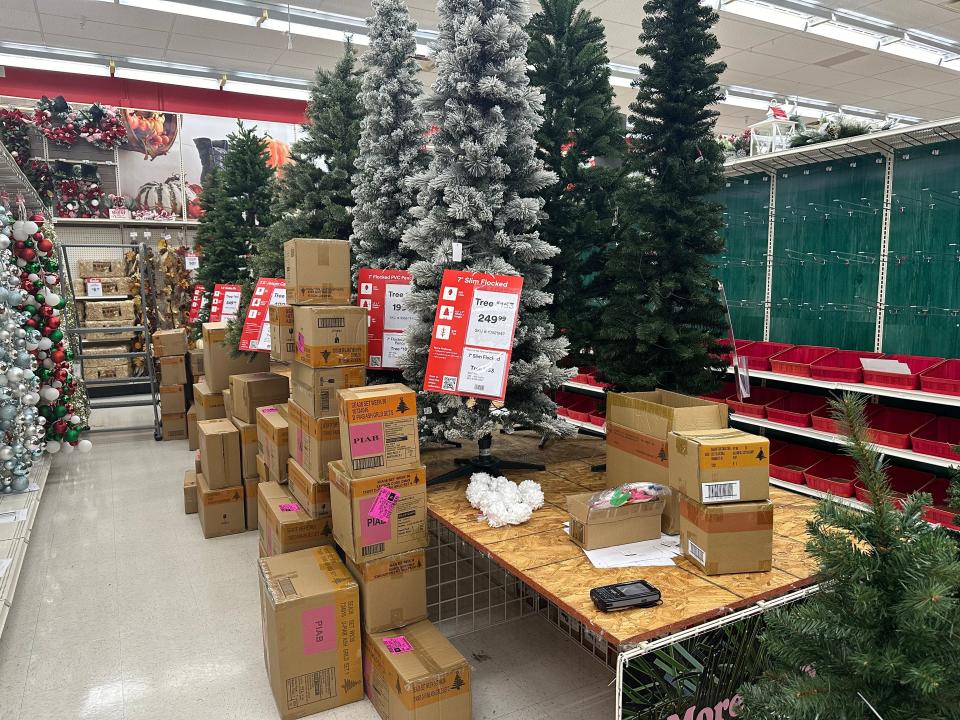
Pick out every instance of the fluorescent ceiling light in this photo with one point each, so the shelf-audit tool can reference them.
(767, 12)
(169, 78)
(619, 81)
(846, 33)
(317, 31)
(31, 62)
(746, 102)
(267, 90)
(915, 51)
(191, 10)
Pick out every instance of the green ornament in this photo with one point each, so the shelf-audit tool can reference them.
(45, 374)
(56, 335)
(72, 435)
(60, 411)
(62, 304)
(46, 411)
(32, 267)
(50, 264)
(69, 357)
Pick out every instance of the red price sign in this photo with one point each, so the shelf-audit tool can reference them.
(225, 302)
(256, 329)
(383, 293)
(473, 334)
(196, 303)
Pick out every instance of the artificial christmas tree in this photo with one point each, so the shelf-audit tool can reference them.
(880, 637)
(568, 55)
(664, 315)
(391, 140)
(219, 255)
(481, 191)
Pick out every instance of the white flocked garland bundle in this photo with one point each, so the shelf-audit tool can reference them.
(503, 502)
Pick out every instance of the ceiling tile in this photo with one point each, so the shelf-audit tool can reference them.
(18, 19)
(622, 36)
(304, 73)
(828, 77)
(748, 79)
(873, 86)
(33, 37)
(105, 12)
(949, 105)
(871, 64)
(216, 63)
(950, 88)
(910, 14)
(917, 96)
(734, 32)
(94, 31)
(239, 35)
(307, 61)
(918, 75)
(802, 47)
(222, 49)
(751, 61)
(625, 11)
(103, 46)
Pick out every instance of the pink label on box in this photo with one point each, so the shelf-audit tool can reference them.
(398, 644)
(268, 409)
(384, 503)
(301, 345)
(319, 630)
(373, 530)
(366, 439)
(289, 507)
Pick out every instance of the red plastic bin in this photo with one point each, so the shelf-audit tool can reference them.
(758, 354)
(823, 421)
(727, 357)
(893, 427)
(795, 408)
(834, 474)
(903, 481)
(574, 406)
(841, 366)
(721, 394)
(598, 419)
(938, 512)
(909, 381)
(796, 360)
(943, 378)
(790, 462)
(756, 404)
(938, 438)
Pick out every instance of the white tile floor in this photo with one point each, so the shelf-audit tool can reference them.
(125, 612)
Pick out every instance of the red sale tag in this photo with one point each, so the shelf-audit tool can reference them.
(383, 293)
(196, 303)
(398, 644)
(472, 337)
(256, 329)
(225, 302)
(383, 504)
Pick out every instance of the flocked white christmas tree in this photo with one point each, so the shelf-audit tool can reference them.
(482, 189)
(391, 140)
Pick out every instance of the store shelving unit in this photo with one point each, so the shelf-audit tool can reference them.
(584, 389)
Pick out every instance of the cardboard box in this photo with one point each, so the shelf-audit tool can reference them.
(273, 441)
(193, 433)
(720, 466)
(637, 428)
(331, 336)
(173, 370)
(190, 492)
(169, 342)
(248, 447)
(285, 526)
(253, 390)
(220, 453)
(108, 285)
(727, 538)
(364, 538)
(310, 613)
(262, 472)
(317, 272)
(108, 310)
(197, 466)
(219, 362)
(174, 426)
(101, 268)
(220, 510)
(196, 362)
(315, 389)
(416, 674)
(393, 590)
(250, 494)
(312, 442)
(106, 369)
(378, 429)
(283, 344)
(312, 494)
(593, 528)
(172, 399)
(228, 402)
(209, 404)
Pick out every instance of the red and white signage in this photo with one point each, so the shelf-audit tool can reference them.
(196, 303)
(225, 303)
(383, 293)
(473, 334)
(191, 261)
(256, 328)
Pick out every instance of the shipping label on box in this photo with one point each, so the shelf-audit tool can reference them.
(172, 399)
(317, 271)
(221, 510)
(248, 447)
(720, 466)
(253, 390)
(331, 336)
(392, 590)
(220, 453)
(312, 494)
(219, 362)
(285, 526)
(173, 370)
(378, 516)
(378, 429)
(273, 441)
(312, 442)
(729, 537)
(315, 389)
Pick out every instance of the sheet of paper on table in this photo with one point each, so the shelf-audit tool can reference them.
(649, 553)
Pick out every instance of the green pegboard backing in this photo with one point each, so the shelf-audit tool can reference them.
(742, 267)
(922, 309)
(826, 254)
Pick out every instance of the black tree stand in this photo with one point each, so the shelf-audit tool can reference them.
(485, 461)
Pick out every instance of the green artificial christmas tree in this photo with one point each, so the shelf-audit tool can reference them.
(392, 143)
(568, 55)
(880, 638)
(664, 315)
(483, 190)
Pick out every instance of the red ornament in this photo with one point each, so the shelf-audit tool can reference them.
(60, 427)
(58, 356)
(46, 311)
(27, 254)
(53, 322)
(19, 245)
(31, 322)
(44, 245)
(37, 218)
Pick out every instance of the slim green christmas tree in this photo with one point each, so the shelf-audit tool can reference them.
(215, 233)
(880, 638)
(664, 316)
(568, 55)
(483, 190)
(391, 140)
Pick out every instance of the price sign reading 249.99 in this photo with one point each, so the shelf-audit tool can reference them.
(473, 334)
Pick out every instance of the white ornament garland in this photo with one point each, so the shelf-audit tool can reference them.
(503, 502)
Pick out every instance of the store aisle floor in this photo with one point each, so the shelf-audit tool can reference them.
(124, 612)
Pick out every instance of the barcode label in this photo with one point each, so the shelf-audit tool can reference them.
(311, 688)
(449, 383)
(720, 491)
(696, 552)
(334, 322)
(372, 549)
(324, 400)
(287, 588)
(367, 463)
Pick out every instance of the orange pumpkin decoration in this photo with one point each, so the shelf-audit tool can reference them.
(279, 154)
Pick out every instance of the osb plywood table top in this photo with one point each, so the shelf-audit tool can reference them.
(541, 554)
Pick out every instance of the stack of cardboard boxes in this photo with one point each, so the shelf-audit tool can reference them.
(170, 349)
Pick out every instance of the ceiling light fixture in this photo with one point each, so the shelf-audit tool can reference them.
(837, 30)
(912, 50)
(208, 11)
(767, 12)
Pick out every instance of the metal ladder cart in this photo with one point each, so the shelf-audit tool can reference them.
(150, 379)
